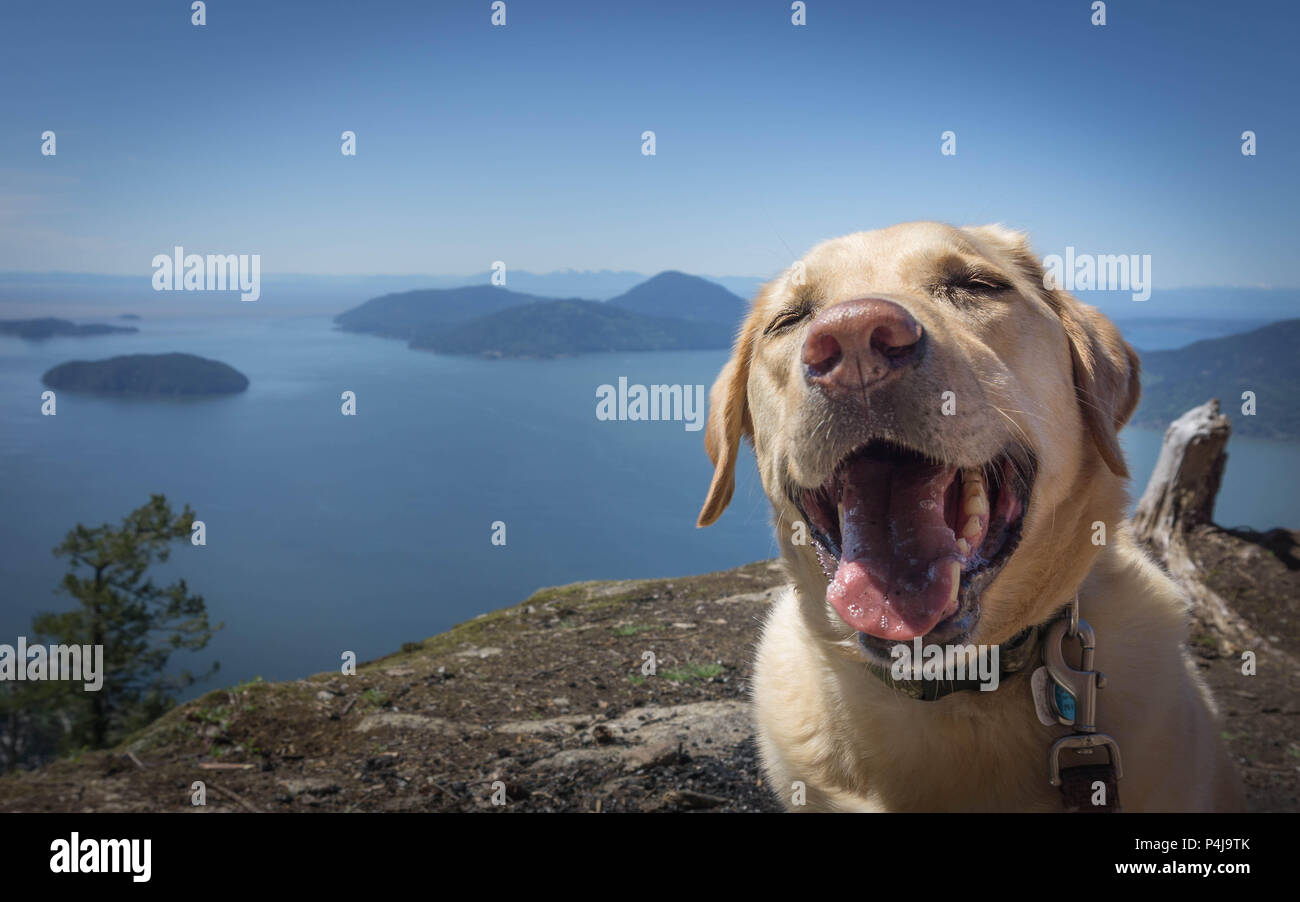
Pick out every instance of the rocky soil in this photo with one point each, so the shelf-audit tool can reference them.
(1258, 576)
(545, 700)
(546, 703)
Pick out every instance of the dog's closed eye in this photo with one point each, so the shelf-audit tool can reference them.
(985, 282)
(788, 317)
(969, 283)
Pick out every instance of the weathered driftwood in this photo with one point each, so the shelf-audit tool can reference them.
(1179, 502)
(1185, 482)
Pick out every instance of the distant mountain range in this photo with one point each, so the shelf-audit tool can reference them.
(672, 311)
(87, 295)
(1264, 361)
(595, 285)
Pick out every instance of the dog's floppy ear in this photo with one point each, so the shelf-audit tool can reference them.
(1106, 376)
(1106, 368)
(728, 423)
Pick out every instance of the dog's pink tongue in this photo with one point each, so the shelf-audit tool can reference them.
(896, 578)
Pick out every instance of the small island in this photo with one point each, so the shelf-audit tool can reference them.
(49, 327)
(148, 375)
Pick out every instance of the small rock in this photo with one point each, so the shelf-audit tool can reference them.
(689, 800)
(572, 757)
(406, 722)
(381, 762)
(310, 787)
(556, 726)
(650, 756)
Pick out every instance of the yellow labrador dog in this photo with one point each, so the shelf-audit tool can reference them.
(936, 429)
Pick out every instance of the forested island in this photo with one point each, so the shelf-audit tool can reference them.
(50, 327)
(148, 375)
(669, 312)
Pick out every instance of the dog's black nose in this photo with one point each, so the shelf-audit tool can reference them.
(859, 345)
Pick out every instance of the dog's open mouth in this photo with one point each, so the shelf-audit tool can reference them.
(909, 543)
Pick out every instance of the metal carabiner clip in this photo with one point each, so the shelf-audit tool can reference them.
(1080, 685)
(1074, 693)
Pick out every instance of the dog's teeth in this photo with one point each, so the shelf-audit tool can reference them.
(955, 567)
(971, 530)
(974, 499)
(964, 547)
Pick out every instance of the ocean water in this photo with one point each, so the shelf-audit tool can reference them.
(328, 533)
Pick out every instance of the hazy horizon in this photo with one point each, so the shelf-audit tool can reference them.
(566, 270)
(87, 295)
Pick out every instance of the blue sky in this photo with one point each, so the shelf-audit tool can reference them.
(523, 143)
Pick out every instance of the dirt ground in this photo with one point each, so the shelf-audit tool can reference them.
(1258, 575)
(546, 697)
(546, 703)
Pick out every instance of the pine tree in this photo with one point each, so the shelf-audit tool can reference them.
(138, 624)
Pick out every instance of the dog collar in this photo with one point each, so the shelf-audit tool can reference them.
(1014, 655)
(1071, 702)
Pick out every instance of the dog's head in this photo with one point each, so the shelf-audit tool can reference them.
(936, 429)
